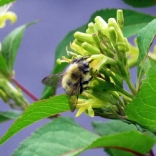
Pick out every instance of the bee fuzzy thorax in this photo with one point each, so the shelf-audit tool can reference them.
(76, 76)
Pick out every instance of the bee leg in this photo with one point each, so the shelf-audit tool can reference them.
(81, 87)
(87, 81)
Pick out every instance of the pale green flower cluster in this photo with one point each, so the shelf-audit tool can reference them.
(105, 47)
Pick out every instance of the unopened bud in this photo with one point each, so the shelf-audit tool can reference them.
(112, 34)
(120, 18)
(58, 61)
(90, 48)
(83, 37)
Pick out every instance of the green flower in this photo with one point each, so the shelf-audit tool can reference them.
(87, 105)
(6, 15)
(105, 48)
(99, 60)
(12, 95)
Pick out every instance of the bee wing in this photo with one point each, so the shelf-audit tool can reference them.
(53, 80)
(73, 99)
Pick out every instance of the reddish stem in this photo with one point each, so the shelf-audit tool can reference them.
(126, 149)
(24, 89)
(151, 153)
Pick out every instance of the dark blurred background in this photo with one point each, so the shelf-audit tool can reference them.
(35, 57)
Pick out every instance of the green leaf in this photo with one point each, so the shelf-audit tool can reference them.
(112, 127)
(3, 2)
(129, 141)
(115, 127)
(145, 39)
(142, 109)
(134, 21)
(11, 44)
(9, 115)
(37, 111)
(140, 3)
(3, 65)
(62, 136)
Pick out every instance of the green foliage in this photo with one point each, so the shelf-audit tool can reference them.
(3, 2)
(117, 127)
(3, 65)
(142, 108)
(105, 97)
(140, 3)
(62, 136)
(9, 115)
(72, 138)
(125, 140)
(145, 39)
(11, 44)
(112, 127)
(37, 111)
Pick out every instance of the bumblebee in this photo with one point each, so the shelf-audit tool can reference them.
(73, 80)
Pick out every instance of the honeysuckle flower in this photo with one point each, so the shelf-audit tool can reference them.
(64, 59)
(6, 15)
(99, 60)
(87, 105)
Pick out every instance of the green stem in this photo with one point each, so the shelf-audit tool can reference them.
(126, 99)
(116, 96)
(131, 86)
(139, 80)
(124, 92)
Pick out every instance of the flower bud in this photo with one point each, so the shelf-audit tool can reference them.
(79, 49)
(90, 48)
(123, 46)
(58, 61)
(4, 96)
(101, 25)
(78, 42)
(120, 18)
(119, 35)
(112, 34)
(83, 37)
(92, 28)
(13, 93)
